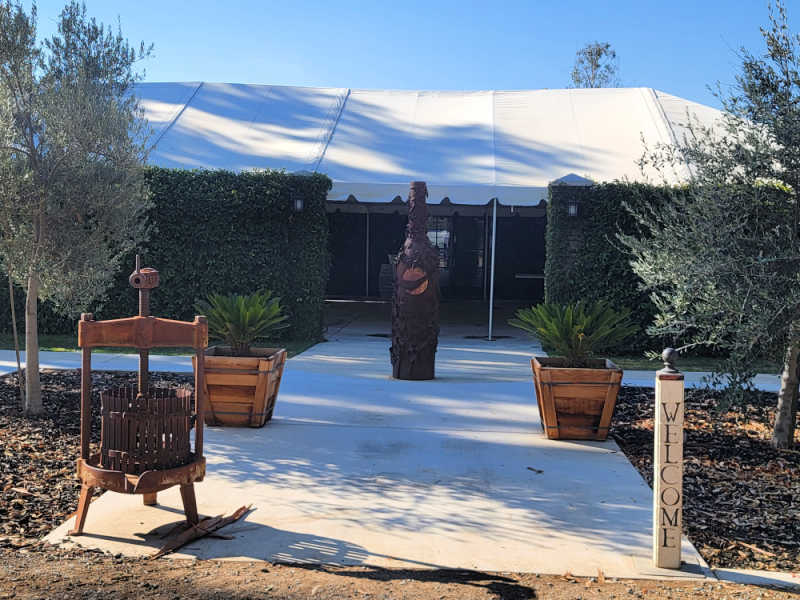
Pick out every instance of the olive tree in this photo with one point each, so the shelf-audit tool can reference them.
(72, 148)
(722, 257)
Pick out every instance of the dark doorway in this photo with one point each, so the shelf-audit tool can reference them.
(468, 257)
(464, 245)
(519, 267)
(440, 233)
(386, 234)
(346, 238)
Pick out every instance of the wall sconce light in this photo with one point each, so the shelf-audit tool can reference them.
(572, 208)
(297, 202)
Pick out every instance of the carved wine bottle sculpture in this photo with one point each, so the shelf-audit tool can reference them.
(415, 302)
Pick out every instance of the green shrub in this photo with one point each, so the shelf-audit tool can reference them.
(222, 232)
(577, 331)
(240, 320)
(584, 260)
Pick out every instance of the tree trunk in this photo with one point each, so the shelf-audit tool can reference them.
(33, 395)
(786, 413)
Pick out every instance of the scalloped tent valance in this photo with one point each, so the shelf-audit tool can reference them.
(470, 147)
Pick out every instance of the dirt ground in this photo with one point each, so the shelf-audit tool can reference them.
(51, 573)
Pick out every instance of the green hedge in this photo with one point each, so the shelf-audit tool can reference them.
(49, 320)
(219, 231)
(584, 259)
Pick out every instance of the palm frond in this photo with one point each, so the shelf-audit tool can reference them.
(576, 331)
(240, 320)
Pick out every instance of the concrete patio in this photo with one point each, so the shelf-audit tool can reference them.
(357, 468)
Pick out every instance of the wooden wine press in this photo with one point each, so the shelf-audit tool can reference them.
(145, 442)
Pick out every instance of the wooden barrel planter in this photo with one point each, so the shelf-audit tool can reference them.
(241, 391)
(576, 404)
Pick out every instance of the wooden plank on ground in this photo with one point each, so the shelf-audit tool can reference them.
(205, 527)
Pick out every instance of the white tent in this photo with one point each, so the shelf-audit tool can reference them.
(470, 147)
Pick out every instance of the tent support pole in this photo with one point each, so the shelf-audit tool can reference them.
(485, 255)
(491, 283)
(366, 259)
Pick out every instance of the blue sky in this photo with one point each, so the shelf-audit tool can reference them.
(679, 46)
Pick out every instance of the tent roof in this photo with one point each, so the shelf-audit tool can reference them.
(468, 146)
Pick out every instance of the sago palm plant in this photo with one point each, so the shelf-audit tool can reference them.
(239, 320)
(577, 331)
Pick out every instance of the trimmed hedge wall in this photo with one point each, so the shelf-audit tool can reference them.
(219, 231)
(585, 260)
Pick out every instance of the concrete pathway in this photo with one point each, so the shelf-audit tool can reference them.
(357, 468)
(101, 361)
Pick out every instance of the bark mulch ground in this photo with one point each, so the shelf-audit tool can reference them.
(38, 488)
(741, 496)
(741, 510)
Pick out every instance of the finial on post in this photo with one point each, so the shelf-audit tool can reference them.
(143, 279)
(669, 356)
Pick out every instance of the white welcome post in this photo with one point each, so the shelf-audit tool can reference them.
(668, 464)
(491, 281)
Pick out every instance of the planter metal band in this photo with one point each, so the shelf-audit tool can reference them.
(221, 370)
(614, 383)
(577, 427)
